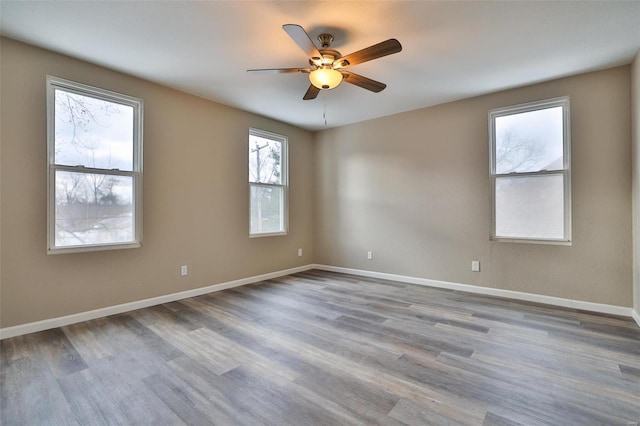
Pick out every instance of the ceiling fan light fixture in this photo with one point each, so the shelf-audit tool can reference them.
(325, 78)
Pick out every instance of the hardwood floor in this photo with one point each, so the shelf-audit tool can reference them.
(320, 348)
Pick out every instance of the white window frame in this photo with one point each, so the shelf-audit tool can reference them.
(284, 164)
(563, 102)
(54, 83)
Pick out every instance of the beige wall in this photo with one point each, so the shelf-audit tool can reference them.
(635, 120)
(414, 189)
(195, 197)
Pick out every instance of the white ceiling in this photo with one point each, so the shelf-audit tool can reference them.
(451, 50)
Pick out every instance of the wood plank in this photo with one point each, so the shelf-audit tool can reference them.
(29, 394)
(111, 390)
(58, 352)
(435, 414)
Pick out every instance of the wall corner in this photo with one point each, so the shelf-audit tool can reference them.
(635, 182)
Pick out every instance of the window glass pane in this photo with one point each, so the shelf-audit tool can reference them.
(265, 160)
(267, 209)
(529, 141)
(530, 207)
(92, 132)
(93, 209)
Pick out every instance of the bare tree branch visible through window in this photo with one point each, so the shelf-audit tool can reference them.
(87, 202)
(515, 153)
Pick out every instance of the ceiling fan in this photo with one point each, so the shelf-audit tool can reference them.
(328, 67)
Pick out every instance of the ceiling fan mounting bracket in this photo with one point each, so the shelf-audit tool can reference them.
(325, 40)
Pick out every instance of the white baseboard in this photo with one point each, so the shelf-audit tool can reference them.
(509, 294)
(131, 306)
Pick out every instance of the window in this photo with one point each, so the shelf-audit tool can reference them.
(94, 143)
(530, 172)
(267, 183)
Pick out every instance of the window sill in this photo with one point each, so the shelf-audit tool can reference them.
(531, 241)
(268, 234)
(102, 247)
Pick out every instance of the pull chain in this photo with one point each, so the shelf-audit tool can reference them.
(324, 108)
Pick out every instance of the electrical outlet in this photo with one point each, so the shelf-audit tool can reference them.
(184, 271)
(475, 266)
(369, 255)
(299, 252)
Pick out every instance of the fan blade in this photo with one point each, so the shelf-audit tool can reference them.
(312, 92)
(364, 82)
(280, 70)
(372, 52)
(302, 39)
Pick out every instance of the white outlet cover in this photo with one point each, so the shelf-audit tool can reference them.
(475, 266)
